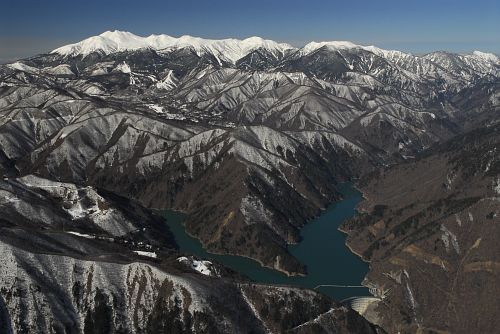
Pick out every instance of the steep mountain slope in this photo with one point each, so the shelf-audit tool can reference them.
(77, 296)
(70, 220)
(429, 231)
(75, 260)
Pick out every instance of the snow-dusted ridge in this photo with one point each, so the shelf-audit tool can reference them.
(346, 45)
(115, 41)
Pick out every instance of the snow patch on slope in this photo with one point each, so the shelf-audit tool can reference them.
(124, 68)
(448, 238)
(169, 82)
(496, 187)
(147, 254)
(202, 266)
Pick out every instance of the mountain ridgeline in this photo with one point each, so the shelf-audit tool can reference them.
(249, 138)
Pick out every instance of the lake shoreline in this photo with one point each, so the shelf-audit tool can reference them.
(323, 250)
(285, 272)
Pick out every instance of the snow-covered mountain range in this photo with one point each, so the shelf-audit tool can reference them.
(248, 137)
(227, 49)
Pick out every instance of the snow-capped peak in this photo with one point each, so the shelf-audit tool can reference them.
(225, 49)
(107, 42)
(332, 45)
(122, 37)
(345, 45)
(486, 56)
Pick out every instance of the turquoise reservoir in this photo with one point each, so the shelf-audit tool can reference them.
(322, 250)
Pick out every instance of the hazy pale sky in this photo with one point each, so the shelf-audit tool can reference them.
(33, 26)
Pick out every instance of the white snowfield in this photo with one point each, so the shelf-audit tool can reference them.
(333, 45)
(147, 254)
(227, 49)
(83, 235)
(203, 267)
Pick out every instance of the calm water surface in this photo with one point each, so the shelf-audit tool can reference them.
(322, 250)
